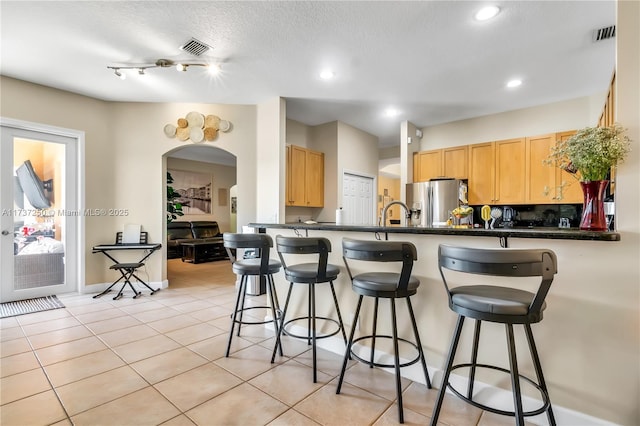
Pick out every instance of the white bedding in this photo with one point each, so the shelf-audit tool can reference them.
(43, 245)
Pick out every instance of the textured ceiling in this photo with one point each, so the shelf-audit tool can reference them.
(428, 59)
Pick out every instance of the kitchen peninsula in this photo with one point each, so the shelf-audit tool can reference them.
(575, 343)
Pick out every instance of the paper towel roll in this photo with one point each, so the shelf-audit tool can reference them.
(339, 216)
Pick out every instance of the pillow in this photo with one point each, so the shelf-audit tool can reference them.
(43, 245)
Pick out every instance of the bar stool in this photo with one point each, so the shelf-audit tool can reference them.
(497, 304)
(310, 274)
(386, 285)
(259, 267)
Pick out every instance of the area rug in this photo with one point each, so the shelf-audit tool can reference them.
(29, 306)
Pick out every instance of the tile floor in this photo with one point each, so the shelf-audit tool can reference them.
(160, 360)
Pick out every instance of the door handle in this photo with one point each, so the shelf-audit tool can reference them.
(5, 232)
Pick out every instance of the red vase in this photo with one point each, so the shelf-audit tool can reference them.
(593, 217)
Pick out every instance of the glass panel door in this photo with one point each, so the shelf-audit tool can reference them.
(39, 224)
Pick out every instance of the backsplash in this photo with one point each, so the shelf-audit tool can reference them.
(540, 215)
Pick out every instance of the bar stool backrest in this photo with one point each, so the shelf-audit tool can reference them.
(381, 251)
(262, 243)
(306, 245)
(501, 262)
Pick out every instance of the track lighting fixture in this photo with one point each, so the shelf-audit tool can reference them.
(163, 63)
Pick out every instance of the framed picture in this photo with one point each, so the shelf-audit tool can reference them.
(194, 189)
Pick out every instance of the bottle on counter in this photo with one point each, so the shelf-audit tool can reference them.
(339, 216)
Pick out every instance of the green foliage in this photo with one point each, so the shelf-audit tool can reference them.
(592, 152)
(174, 207)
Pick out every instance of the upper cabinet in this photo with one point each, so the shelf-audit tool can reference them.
(482, 173)
(437, 163)
(570, 191)
(497, 172)
(455, 162)
(305, 177)
(510, 171)
(546, 184)
(427, 165)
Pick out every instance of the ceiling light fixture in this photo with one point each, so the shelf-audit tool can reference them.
(162, 63)
(392, 112)
(486, 13)
(118, 74)
(514, 83)
(327, 74)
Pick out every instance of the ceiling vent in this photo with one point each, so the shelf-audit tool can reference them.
(195, 47)
(604, 33)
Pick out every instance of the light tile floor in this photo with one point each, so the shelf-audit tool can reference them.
(160, 360)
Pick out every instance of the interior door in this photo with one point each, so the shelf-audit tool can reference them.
(40, 217)
(358, 199)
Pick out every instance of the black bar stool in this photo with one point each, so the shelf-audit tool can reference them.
(311, 274)
(497, 304)
(260, 267)
(386, 285)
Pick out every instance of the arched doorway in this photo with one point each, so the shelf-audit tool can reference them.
(203, 176)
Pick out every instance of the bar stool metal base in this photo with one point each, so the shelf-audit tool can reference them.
(372, 363)
(311, 318)
(545, 398)
(238, 312)
(308, 336)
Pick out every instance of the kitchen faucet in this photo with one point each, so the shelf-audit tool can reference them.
(400, 203)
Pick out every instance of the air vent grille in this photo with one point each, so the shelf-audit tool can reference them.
(195, 47)
(604, 33)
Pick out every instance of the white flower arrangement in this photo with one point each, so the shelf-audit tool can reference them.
(592, 152)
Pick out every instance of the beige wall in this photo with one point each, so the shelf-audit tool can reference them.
(298, 133)
(223, 177)
(123, 156)
(555, 117)
(392, 186)
(40, 104)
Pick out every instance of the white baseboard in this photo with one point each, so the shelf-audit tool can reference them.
(100, 287)
(484, 393)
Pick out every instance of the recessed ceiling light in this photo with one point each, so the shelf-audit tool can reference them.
(514, 83)
(487, 12)
(214, 69)
(392, 112)
(327, 74)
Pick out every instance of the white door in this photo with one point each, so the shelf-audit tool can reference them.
(40, 217)
(358, 199)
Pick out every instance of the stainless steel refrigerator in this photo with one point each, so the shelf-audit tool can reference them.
(434, 201)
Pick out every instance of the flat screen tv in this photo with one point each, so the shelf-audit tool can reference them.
(32, 186)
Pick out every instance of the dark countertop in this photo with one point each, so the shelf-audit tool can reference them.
(546, 233)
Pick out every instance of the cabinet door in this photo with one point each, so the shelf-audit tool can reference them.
(510, 171)
(297, 167)
(314, 189)
(287, 176)
(430, 165)
(568, 185)
(454, 162)
(481, 173)
(541, 178)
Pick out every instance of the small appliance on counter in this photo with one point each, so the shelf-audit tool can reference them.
(508, 217)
